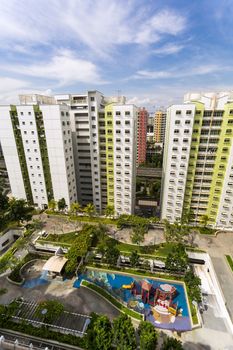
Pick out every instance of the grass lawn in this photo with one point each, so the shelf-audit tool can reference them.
(63, 238)
(230, 261)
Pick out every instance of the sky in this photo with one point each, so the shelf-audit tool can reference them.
(151, 51)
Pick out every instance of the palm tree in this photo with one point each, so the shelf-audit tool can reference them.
(52, 204)
(89, 209)
(75, 208)
(109, 210)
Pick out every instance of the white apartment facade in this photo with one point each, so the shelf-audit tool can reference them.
(198, 159)
(125, 154)
(37, 147)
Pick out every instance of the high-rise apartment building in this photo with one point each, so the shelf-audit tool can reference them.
(104, 139)
(121, 152)
(198, 159)
(150, 128)
(141, 135)
(159, 126)
(37, 147)
(86, 115)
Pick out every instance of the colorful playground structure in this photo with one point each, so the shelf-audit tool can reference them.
(160, 298)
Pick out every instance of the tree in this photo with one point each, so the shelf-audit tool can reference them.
(148, 336)
(75, 208)
(52, 204)
(134, 258)
(172, 344)
(138, 234)
(175, 232)
(19, 210)
(193, 284)
(123, 333)
(154, 189)
(204, 220)
(109, 210)
(177, 260)
(111, 255)
(89, 209)
(37, 224)
(61, 204)
(4, 202)
(103, 333)
(49, 310)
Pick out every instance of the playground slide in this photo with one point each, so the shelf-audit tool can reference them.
(126, 286)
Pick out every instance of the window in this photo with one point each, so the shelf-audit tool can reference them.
(31, 123)
(188, 112)
(93, 109)
(177, 122)
(186, 131)
(127, 112)
(21, 113)
(187, 122)
(178, 112)
(25, 132)
(118, 113)
(127, 131)
(118, 122)
(198, 113)
(118, 131)
(127, 122)
(127, 140)
(176, 131)
(92, 98)
(109, 114)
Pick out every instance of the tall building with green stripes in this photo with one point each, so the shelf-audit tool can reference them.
(37, 147)
(198, 160)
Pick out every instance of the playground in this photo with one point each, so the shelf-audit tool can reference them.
(163, 304)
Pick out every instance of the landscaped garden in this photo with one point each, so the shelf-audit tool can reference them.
(48, 320)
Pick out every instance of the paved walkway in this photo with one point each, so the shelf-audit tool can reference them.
(82, 300)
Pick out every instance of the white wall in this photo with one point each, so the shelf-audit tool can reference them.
(176, 159)
(124, 160)
(60, 151)
(10, 152)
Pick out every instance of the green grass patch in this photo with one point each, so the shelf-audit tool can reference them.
(207, 231)
(61, 238)
(230, 261)
(114, 301)
(193, 313)
(58, 244)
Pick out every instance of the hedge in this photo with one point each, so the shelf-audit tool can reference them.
(112, 300)
(230, 261)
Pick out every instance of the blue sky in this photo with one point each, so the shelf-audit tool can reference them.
(153, 51)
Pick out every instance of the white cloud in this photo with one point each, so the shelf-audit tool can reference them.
(181, 72)
(64, 67)
(100, 25)
(10, 88)
(163, 22)
(168, 49)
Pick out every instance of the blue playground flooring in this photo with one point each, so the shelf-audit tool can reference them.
(114, 282)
